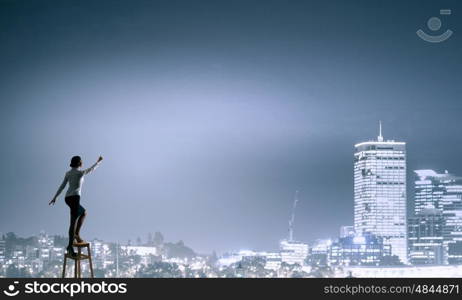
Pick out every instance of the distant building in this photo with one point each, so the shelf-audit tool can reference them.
(146, 252)
(347, 231)
(46, 245)
(320, 253)
(359, 250)
(442, 191)
(45, 241)
(293, 252)
(451, 203)
(2, 249)
(139, 250)
(425, 237)
(230, 258)
(380, 192)
(101, 254)
(273, 260)
(57, 253)
(433, 190)
(428, 189)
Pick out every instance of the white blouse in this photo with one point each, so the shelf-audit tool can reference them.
(75, 178)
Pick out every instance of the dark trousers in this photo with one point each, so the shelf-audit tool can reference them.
(76, 211)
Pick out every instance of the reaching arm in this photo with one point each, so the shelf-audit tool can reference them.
(90, 169)
(60, 189)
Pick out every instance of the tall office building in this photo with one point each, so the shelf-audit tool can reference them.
(429, 188)
(451, 204)
(2, 249)
(380, 192)
(425, 237)
(442, 191)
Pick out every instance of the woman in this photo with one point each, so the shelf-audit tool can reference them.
(75, 179)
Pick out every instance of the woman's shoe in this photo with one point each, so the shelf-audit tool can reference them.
(78, 239)
(71, 252)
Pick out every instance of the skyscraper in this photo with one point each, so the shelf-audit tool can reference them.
(380, 192)
(425, 237)
(429, 188)
(442, 191)
(2, 249)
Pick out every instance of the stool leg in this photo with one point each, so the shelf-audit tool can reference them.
(75, 268)
(89, 260)
(64, 266)
(78, 257)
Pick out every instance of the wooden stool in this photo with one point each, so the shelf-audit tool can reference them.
(78, 258)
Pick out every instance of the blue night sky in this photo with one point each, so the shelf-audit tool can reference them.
(210, 114)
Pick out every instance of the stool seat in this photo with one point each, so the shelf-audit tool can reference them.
(83, 244)
(77, 258)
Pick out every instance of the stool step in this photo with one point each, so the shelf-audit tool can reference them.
(78, 257)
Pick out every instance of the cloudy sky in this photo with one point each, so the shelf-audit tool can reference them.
(210, 114)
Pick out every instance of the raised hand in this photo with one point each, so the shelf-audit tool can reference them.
(100, 158)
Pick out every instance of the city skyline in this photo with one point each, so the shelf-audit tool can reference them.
(412, 203)
(380, 139)
(430, 235)
(211, 114)
(417, 202)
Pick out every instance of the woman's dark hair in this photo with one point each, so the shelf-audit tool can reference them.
(75, 161)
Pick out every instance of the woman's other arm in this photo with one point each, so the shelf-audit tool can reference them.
(60, 189)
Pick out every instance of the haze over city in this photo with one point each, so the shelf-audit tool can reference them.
(211, 114)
